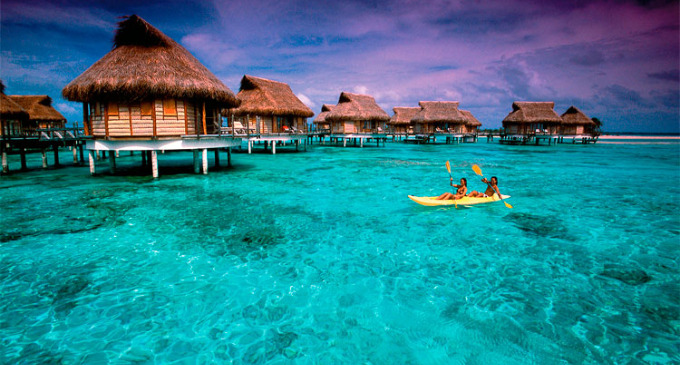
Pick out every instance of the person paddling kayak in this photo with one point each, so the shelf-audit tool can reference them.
(491, 189)
(462, 190)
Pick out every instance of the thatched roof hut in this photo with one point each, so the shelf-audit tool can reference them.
(38, 107)
(267, 97)
(439, 112)
(403, 115)
(356, 107)
(533, 112)
(574, 116)
(9, 109)
(321, 117)
(145, 64)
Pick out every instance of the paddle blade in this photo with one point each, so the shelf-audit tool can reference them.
(448, 167)
(477, 170)
(507, 205)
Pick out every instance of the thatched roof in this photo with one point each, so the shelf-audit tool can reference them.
(9, 109)
(472, 121)
(356, 107)
(403, 115)
(38, 107)
(263, 96)
(574, 116)
(144, 64)
(439, 112)
(325, 109)
(533, 112)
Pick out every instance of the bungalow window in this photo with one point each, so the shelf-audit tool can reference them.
(112, 109)
(97, 112)
(169, 107)
(367, 124)
(147, 108)
(279, 121)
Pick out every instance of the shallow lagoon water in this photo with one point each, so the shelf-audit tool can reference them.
(319, 257)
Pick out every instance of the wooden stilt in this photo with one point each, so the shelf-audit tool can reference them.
(154, 164)
(80, 151)
(44, 158)
(273, 147)
(205, 161)
(112, 162)
(75, 155)
(91, 155)
(144, 158)
(5, 165)
(23, 159)
(217, 157)
(197, 165)
(229, 156)
(250, 146)
(55, 148)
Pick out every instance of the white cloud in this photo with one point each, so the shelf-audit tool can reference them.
(305, 100)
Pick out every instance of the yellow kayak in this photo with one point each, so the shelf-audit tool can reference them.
(466, 200)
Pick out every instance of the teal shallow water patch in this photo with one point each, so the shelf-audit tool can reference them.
(320, 257)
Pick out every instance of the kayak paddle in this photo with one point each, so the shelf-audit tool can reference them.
(448, 168)
(478, 171)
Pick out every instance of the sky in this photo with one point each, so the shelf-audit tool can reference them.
(617, 60)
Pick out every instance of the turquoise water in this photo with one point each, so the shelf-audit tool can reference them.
(319, 258)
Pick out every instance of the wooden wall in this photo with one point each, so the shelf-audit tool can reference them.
(162, 118)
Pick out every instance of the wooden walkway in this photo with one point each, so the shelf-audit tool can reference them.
(42, 140)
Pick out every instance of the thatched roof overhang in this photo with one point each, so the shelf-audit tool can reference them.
(574, 116)
(439, 112)
(268, 97)
(472, 121)
(403, 115)
(325, 109)
(9, 109)
(356, 107)
(533, 112)
(38, 107)
(146, 64)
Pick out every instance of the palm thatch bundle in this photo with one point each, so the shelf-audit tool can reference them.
(472, 121)
(321, 118)
(574, 116)
(268, 97)
(403, 115)
(533, 112)
(356, 107)
(9, 109)
(439, 112)
(38, 107)
(145, 64)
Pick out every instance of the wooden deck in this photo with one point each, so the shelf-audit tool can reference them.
(42, 140)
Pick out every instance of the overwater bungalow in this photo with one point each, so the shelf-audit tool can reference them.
(357, 117)
(531, 122)
(150, 94)
(400, 122)
(13, 117)
(41, 114)
(321, 126)
(472, 124)
(269, 113)
(439, 118)
(576, 125)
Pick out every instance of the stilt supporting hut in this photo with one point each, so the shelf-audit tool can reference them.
(269, 114)
(357, 118)
(150, 94)
(531, 122)
(400, 122)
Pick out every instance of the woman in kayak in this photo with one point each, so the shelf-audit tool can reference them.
(491, 189)
(462, 190)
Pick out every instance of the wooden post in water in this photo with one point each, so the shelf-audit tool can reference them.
(112, 162)
(44, 158)
(5, 165)
(90, 154)
(55, 148)
(154, 164)
(273, 147)
(75, 154)
(217, 157)
(229, 156)
(80, 151)
(143, 158)
(205, 161)
(197, 166)
(23, 159)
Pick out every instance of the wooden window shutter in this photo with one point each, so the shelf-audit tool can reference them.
(169, 107)
(147, 107)
(113, 108)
